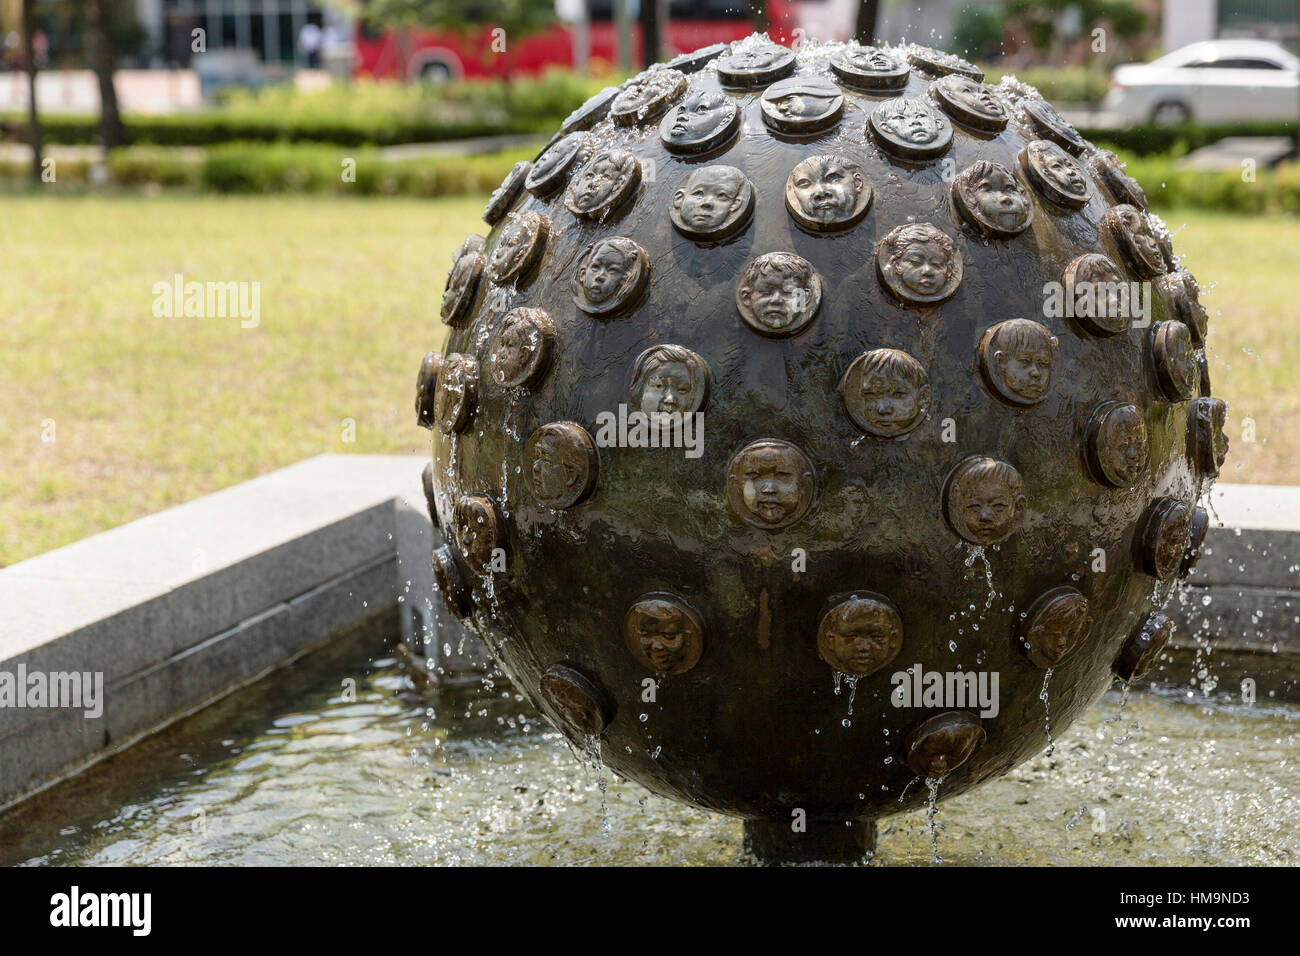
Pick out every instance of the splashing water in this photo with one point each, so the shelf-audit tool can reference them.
(931, 816)
(1047, 712)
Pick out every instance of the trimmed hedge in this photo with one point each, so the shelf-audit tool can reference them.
(1178, 140)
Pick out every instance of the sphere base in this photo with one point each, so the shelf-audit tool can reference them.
(774, 842)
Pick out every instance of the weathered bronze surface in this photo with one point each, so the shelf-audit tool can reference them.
(907, 458)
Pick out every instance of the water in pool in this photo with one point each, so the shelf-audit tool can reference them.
(303, 768)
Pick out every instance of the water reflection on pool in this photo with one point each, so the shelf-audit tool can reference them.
(304, 769)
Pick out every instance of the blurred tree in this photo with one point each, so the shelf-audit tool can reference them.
(28, 26)
(864, 30)
(1038, 19)
(977, 33)
(111, 130)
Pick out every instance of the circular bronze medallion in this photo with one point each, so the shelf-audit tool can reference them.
(456, 594)
(1143, 648)
(697, 60)
(462, 285)
(757, 66)
(703, 121)
(779, 294)
(591, 112)
(802, 105)
(476, 531)
(505, 195)
(610, 276)
(561, 464)
(519, 353)
(551, 168)
(457, 392)
(646, 97)
(1051, 125)
(604, 185)
(1175, 361)
(1099, 293)
(984, 499)
(886, 393)
(577, 700)
(860, 634)
(664, 633)
(426, 389)
(1118, 444)
(1206, 443)
(519, 248)
(828, 193)
(1131, 232)
(991, 199)
(667, 379)
(871, 69)
(1105, 166)
(1164, 537)
(939, 63)
(910, 129)
(1055, 624)
(1181, 293)
(1199, 525)
(919, 264)
(1056, 174)
(943, 743)
(971, 102)
(770, 484)
(1016, 359)
(714, 203)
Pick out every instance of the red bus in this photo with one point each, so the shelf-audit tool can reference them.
(439, 56)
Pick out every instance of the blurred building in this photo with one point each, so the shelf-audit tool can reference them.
(1189, 21)
(284, 32)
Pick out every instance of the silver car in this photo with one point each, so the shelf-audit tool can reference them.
(1212, 82)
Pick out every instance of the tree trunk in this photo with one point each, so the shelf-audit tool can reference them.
(649, 32)
(110, 122)
(33, 120)
(865, 30)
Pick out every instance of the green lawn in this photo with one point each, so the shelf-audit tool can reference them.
(149, 412)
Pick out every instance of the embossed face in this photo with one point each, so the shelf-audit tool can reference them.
(699, 114)
(861, 636)
(871, 60)
(986, 500)
(1027, 371)
(668, 388)
(943, 750)
(475, 530)
(710, 197)
(553, 477)
(911, 121)
(1059, 628)
(605, 272)
(998, 197)
(1171, 541)
(975, 97)
(809, 103)
(826, 188)
(891, 401)
(1056, 166)
(597, 182)
(757, 59)
(778, 301)
(772, 481)
(665, 634)
(517, 343)
(1122, 444)
(511, 247)
(923, 266)
(1136, 229)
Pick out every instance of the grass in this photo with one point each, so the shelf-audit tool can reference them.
(150, 412)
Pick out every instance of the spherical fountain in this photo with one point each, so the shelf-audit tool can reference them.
(818, 432)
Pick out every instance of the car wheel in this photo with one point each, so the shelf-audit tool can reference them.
(435, 71)
(1170, 113)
